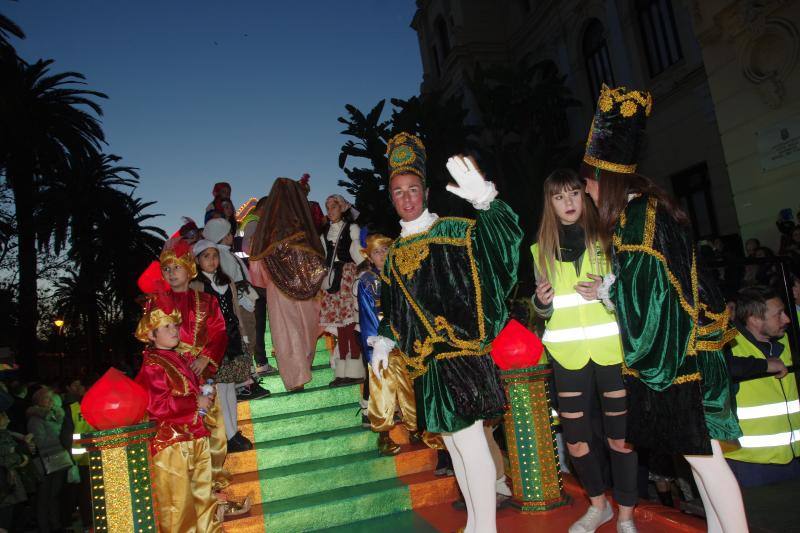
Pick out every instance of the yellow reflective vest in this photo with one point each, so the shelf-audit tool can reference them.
(579, 330)
(81, 426)
(768, 411)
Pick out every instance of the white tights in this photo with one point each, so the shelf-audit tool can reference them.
(227, 404)
(477, 482)
(719, 490)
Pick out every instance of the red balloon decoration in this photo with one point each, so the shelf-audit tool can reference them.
(114, 401)
(516, 347)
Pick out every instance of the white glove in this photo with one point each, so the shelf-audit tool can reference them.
(603, 291)
(381, 346)
(472, 186)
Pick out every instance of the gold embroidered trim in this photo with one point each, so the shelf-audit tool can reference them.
(413, 303)
(710, 346)
(477, 282)
(695, 376)
(608, 165)
(628, 101)
(176, 377)
(410, 257)
(648, 236)
(650, 222)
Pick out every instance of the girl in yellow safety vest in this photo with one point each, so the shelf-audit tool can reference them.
(582, 339)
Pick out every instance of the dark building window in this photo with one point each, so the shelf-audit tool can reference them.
(441, 37)
(692, 187)
(435, 54)
(553, 115)
(659, 34)
(598, 61)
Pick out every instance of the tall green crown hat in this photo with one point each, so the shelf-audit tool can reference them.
(615, 137)
(406, 155)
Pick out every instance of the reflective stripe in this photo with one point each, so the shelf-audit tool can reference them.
(571, 300)
(78, 451)
(765, 441)
(769, 409)
(577, 334)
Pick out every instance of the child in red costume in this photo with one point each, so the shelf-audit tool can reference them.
(203, 339)
(182, 477)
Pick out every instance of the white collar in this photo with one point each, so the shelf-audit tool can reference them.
(422, 223)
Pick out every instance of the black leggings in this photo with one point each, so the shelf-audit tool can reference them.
(590, 380)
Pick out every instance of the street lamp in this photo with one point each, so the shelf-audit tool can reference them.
(59, 323)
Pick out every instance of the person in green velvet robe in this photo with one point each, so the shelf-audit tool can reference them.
(673, 323)
(445, 282)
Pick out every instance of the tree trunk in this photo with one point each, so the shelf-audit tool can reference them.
(89, 305)
(27, 343)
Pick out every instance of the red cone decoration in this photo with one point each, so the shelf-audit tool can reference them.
(516, 347)
(114, 401)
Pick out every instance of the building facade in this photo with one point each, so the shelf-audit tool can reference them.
(650, 44)
(750, 49)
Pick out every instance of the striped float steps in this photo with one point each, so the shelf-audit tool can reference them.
(276, 427)
(314, 467)
(346, 505)
(321, 375)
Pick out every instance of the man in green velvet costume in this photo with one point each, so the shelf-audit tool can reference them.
(673, 323)
(443, 294)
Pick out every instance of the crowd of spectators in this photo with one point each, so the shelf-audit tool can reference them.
(44, 482)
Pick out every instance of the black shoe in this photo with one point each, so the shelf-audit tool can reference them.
(460, 505)
(243, 440)
(337, 382)
(236, 445)
(254, 391)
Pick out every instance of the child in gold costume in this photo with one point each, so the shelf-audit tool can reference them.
(182, 477)
(395, 390)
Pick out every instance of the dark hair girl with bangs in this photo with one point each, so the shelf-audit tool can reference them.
(583, 343)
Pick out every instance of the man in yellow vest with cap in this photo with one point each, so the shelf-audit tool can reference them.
(767, 399)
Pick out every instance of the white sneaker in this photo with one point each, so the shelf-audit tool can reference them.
(627, 527)
(593, 519)
(501, 487)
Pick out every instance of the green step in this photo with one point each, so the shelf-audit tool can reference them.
(393, 523)
(320, 375)
(337, 507)
(268, 340)
(306, 422)
(311, 398)
(322, 445)
(325, 475)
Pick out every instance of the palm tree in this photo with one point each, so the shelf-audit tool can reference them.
(43, 122)
(366, 184)
(7, 28)
(74, 206)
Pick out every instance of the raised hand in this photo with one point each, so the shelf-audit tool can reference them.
(470, 182)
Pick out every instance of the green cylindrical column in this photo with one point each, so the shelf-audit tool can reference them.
(535, 471)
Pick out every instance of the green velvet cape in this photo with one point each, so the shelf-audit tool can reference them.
(443, 297)
(672, 338)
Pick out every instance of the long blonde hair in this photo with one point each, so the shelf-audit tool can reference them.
(548, 237)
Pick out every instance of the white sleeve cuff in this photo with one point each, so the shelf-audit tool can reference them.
(484, 200)
(377, 341)
(603, 291)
